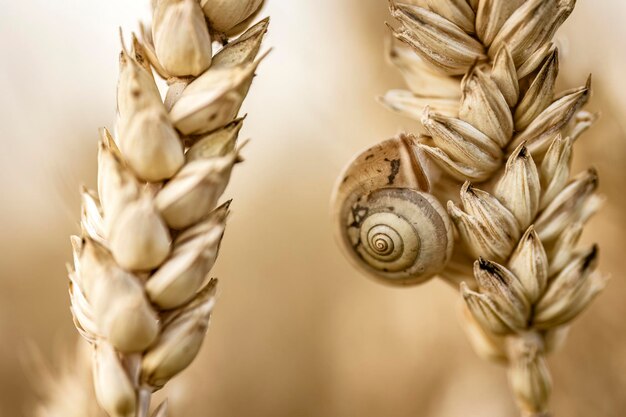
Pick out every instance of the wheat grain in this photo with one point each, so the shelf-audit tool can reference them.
(481, 76)
(139, 286)
(527, 286)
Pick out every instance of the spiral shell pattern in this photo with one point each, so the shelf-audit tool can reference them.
(386, 224)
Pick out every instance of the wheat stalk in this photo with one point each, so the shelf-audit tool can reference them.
(139, 286)
(530, 280)
(481, 77)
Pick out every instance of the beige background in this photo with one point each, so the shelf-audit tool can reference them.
(297, 332)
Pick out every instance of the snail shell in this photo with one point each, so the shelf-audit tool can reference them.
(385, 219)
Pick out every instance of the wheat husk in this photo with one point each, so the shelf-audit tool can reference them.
(139, 284)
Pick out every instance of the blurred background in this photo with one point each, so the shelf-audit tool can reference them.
(297, 331)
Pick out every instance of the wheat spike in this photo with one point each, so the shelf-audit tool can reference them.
(481, 77)
(139, 285)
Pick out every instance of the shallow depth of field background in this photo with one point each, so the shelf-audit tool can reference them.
(297, 331)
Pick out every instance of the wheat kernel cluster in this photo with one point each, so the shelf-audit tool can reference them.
(139, 285)
(483, 195)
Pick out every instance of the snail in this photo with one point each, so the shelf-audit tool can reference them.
(386, 220)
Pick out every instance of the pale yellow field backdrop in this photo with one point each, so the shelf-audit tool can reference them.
(297, 332)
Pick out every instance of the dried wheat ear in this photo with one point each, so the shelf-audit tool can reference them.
(483, 197)
(139, 286)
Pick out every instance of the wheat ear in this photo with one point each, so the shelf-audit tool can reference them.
(139, 287)
(481, 75)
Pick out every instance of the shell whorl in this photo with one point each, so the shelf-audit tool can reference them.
(385, 219)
